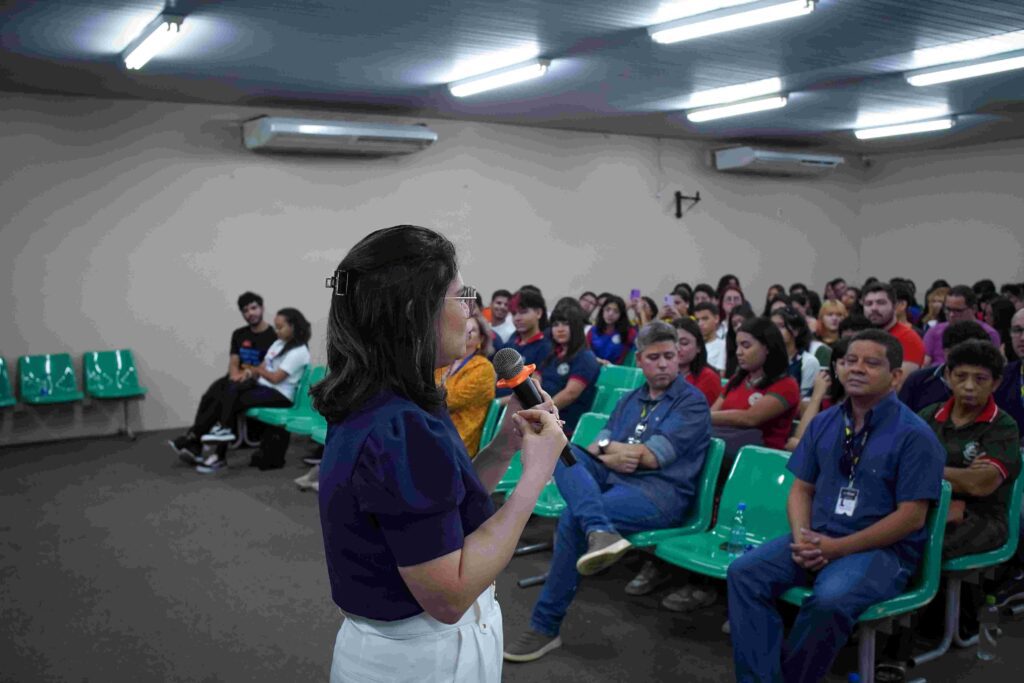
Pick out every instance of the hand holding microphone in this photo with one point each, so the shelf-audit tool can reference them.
(508, 365)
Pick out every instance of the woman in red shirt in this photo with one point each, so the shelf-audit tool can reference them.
(761, 395)
(693, 360)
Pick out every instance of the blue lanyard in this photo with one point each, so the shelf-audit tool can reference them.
(463, 363)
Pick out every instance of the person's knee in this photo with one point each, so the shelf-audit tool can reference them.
(742, 571)
(832, 599)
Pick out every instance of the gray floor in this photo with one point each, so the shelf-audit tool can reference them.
(118, 563)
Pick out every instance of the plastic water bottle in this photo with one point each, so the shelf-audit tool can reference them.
(988, 629)
(853, 678)
(738, 536)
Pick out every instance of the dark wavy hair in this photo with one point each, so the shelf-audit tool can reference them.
(381, 335)
(622, 325)
(837, 392)
(983, 354)
(731, 364)
(301, 329)
(700, 361)
(247, 298)
(573, 316)
(776, 363)
(796, 323)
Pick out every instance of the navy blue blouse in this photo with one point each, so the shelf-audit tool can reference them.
(397, 488)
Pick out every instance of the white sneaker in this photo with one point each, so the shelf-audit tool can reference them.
(218, 434)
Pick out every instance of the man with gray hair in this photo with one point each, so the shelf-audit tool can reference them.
(640, 473)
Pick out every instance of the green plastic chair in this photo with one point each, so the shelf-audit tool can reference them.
(607, 398)
(758, 478)
(6, 393)
(491, 422)
(319, 434)
(112, 375)
(703, 507)
(630, 359)
(923, 588)
(48, 378)
(620, 377)
(968, 567)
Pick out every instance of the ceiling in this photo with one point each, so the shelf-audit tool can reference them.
(841, 65)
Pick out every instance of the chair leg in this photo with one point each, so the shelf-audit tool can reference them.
(866, 653)
(952, 626)
(532, 580)
(127, 427)
(533, 548)
(240, 427)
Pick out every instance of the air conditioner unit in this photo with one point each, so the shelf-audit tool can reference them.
(278, 134)
(767, 162)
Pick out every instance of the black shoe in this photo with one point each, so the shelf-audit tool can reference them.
(257, 458)
(190, 453)
(888, 672)
(265, 465)
(652, 576)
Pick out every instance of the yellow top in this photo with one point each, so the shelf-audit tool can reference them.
(470, 392)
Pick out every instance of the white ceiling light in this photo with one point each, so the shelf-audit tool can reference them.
(157, 37)
(905, 128)
(964, 50)
(957, 73)
(499, 79)
(734, 93)
(739, 109)
(729, 19)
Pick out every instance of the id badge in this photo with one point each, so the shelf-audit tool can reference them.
(847, 501)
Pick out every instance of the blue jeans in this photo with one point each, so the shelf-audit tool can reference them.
(593, 505)
(843, 590)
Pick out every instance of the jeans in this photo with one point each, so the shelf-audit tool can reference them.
(593, 505)
(843, 590)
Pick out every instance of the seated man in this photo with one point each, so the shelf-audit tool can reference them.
(1010, 398)
(880, 304)
(926, 386)
(641, 472)
(708, 318)
(249, 344)
(865, 473)
(501, 321)
(961, 304)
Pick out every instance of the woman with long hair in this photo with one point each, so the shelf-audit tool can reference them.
(693, 360)
(612, 336)
(736, 318)
(828, 391)
(831, 314)
(569, 373)
(761, 394)
(412, 540)
(999, 316)
(935, 307)
(773, 291)
(469, 383)
(803, 366)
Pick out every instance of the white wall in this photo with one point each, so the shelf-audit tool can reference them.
(138, 224)
(956, 214)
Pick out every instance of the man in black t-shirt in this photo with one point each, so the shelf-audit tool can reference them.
(248, 346)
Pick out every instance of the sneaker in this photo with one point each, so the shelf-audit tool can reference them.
(312, 460)
(182, 442)
(212, 465)
(1011, 590)
(531, 645)
(219, 434)
(690, 598)
(650, 577)
(604, 548)
(191, 454)
(309, 481)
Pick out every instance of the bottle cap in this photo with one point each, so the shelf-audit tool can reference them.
(741, 506)
(990, 600)
(853, 678)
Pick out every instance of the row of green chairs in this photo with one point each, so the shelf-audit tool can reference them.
(51, 379)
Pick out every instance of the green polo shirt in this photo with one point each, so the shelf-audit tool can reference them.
(992, 439)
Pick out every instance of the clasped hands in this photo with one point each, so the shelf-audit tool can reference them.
(622, 458)
(813, 551)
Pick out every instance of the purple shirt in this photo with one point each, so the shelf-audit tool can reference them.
(933, 341)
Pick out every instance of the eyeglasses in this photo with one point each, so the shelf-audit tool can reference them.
(466, 298)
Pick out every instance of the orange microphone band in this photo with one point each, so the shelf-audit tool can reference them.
(518, 379)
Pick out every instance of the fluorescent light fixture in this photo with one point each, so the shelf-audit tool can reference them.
(729, 19)
(158, 36)
(964, 50)
(670, 11)
(957, 73)
(499, 79)
(905, 128)
(763, 104)
(734, 93)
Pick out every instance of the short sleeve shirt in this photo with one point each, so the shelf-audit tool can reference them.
(933, 340)
(1010, 394)
(294, 363)
(902, 461)
(397, 489)
(533, 350)
(775, 431)
(557, 372)
(708, 382)
(249, 346)
(924, 387)
(992, 439)
(913, 347)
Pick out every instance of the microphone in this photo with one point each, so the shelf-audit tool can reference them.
(508, 365)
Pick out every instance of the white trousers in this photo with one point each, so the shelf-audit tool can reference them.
(421, 649)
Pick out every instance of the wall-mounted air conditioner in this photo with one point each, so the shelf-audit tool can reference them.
(278, 134)
(767, 162)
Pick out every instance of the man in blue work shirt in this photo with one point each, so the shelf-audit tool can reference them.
(865, 473)
(640, 473)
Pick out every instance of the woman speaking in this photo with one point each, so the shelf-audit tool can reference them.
(413, 543)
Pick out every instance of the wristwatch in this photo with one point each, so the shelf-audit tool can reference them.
(603, 444)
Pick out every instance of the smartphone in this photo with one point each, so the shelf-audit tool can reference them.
(635, 294)
(668, 299)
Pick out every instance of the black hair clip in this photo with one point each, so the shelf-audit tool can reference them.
(338, 282)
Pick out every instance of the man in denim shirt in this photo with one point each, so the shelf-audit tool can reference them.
(640, 473)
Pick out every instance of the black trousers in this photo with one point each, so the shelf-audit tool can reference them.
(225, 400)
